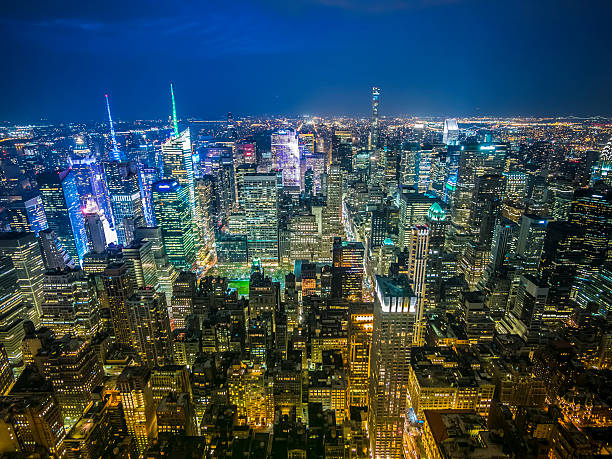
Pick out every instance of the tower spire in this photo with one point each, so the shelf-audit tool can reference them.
(115, 151)
(174, 120)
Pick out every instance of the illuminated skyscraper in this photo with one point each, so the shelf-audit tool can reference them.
(150, 326)
(360, 341)
(71, 305)
(126, 203)
(60, 199)
(374, 121)
(261, 211)
(286, 156)
(417, 269)
(172, 214)
(24, 251)
(178, 165)
(12, 312)
(395, 319)
(332, 212)
(531, 241)
(524, 318)
(347, 270)
(119, 287)
(138, 405)
(451, 132)
(114, 154)
(74, 370)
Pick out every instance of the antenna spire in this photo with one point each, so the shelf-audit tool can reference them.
(174, 120)
(115, 155)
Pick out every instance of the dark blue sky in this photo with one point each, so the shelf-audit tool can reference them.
(430, 57)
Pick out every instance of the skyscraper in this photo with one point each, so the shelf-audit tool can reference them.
(286, 156)
(451, 132)
(150, 326)
(396, 315)
(261, 212)
(119, 286)
(374, 121)
(126, 203)
(347, 270)
(172, 214)
(531, 241)
(60, 199)
(178, 165)
(417, 269)
(24, 251)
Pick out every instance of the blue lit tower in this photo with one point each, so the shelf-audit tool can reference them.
(173, 217)
(374, 126)
(115, 154)
(58, 191)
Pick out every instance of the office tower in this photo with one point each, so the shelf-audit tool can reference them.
(591, 209)
(305, 238)
(241, 171)
(178, 165)
(451, 132)
(114, 154)
(97, 227)
(126, 203)
(141, 260)
(418, 251)
(505, 236)
(342, 149)
(360, 342)
(561, 261)
(175, 415)
(261, 209)
(395, 317)
(71, 305)
(602, 169)
(119, 286)
(205, 194)
(437, 222)
(138, 406)
(524, 317)
(13, 313)
(516, 185)
(74, 370)
(53, 253)
(148, 176)
(347, 270)
(374, 122)
(25, 212)
(531, 241)
(413, 208)
(150, 326)
(31, 414)
(183, 294)
(286, 156)
(475, 317)
(173, 216)
(424, 160)
(309, 182)
(332, 212)
(486, 204)
(24, 251)
(62, 207)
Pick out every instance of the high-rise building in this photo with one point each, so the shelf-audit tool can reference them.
(119, 286)
(74, 370)
(524, 317)
(374, 122)
(360, 342)
(134, 384)
(12, 312)
(451, 132)
(126, 203)
(183, 294)
(53, 252)
(332, 212)
(24, 251)
(347, 270)
(177, 159)
(58, 192)
(395, 319)
(261, 209)
(418, 251)
(286, 156)
(486, 204)
(70, 305)
(150, 326)
(531, 241)
(172, 214)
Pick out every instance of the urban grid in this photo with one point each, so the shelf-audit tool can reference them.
(305, 287)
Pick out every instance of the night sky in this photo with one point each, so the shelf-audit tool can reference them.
(430, 57)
